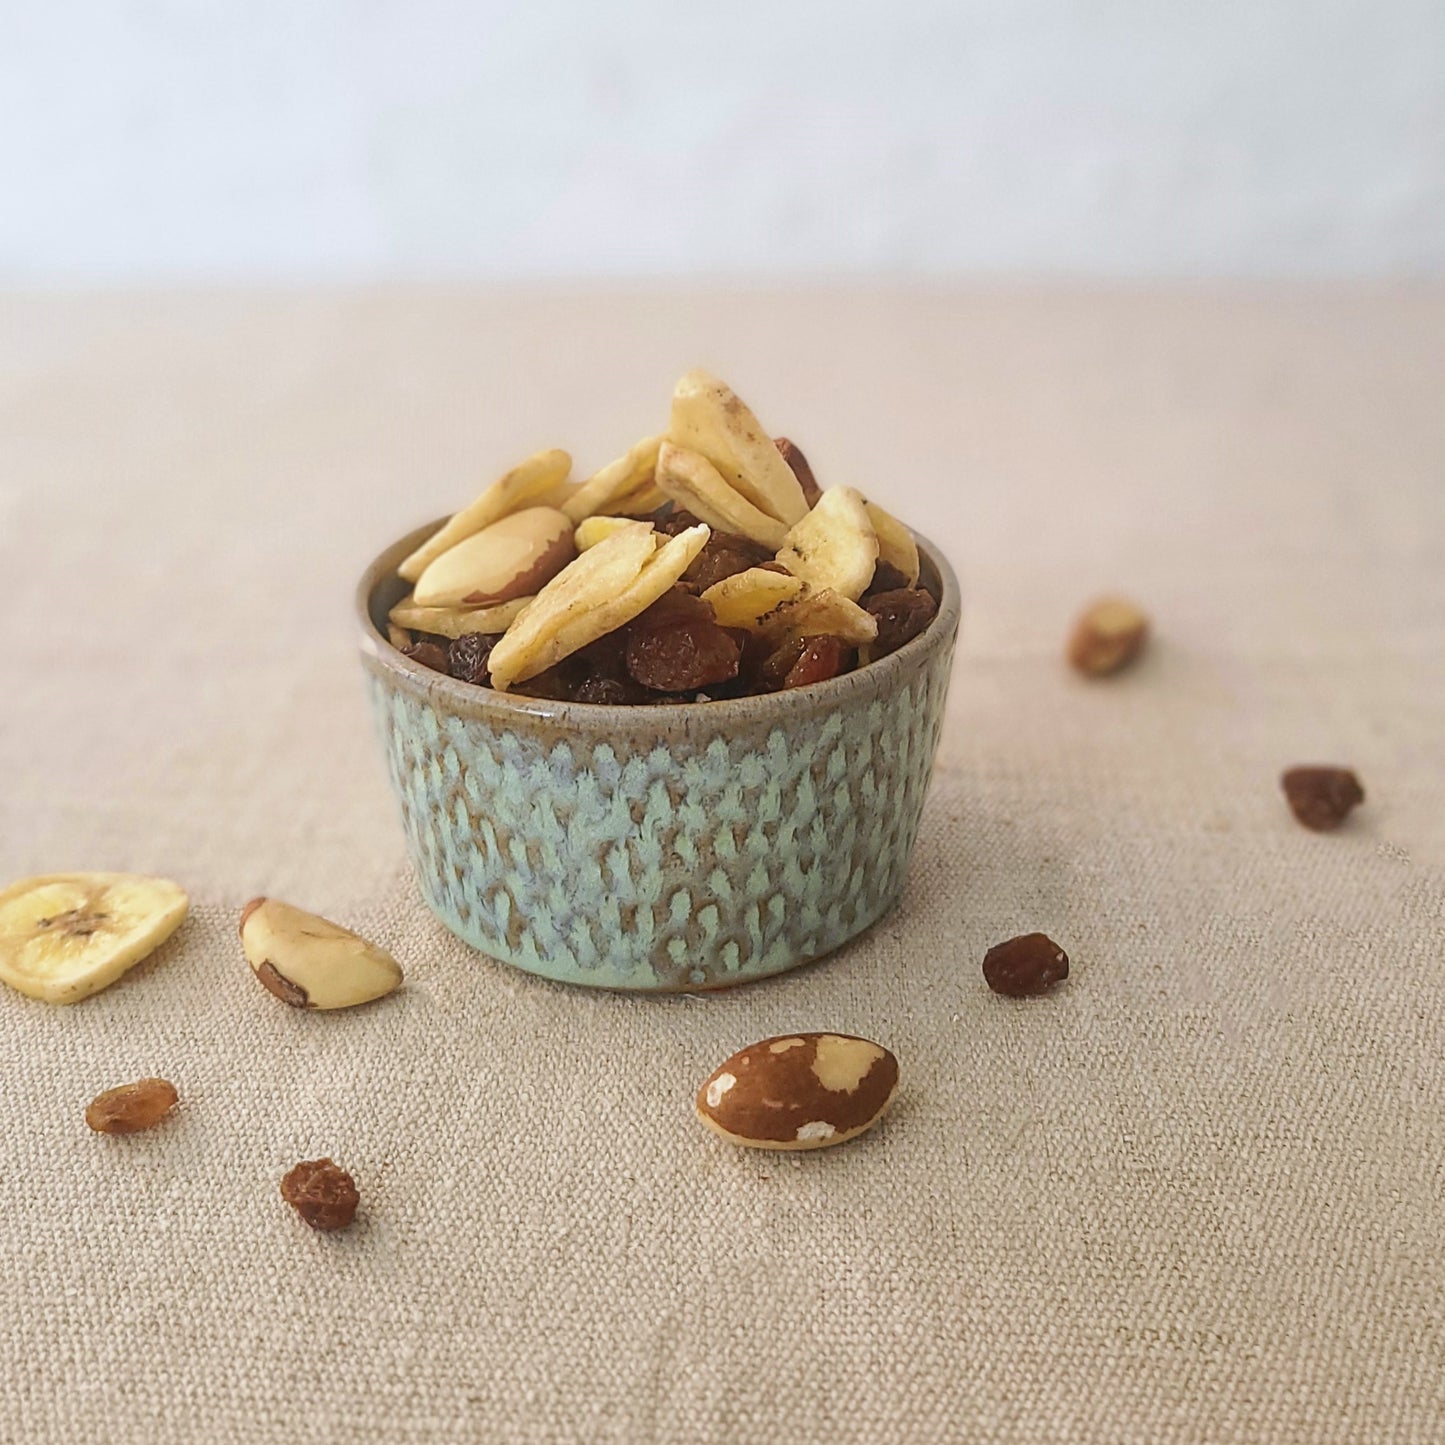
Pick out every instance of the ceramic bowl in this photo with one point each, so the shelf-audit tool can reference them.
(686, 846)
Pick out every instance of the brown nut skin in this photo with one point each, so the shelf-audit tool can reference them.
(1109, 634)
(322, 1193)
(793, 455)
(132, 1108)
(1321, 797)
(1025, 966)
(799, 1091)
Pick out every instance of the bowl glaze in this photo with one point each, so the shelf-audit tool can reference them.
(679, 847)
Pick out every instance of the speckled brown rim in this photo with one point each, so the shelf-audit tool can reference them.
(465, 699)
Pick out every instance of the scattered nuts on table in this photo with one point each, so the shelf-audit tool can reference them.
(799, 1091)
(322, 1193)
(1109, 634)
(132, 1108)
(1025, 966)
(66, 936)
(1321, 797)
(311, 963)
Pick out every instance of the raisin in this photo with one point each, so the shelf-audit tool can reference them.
(469, 656)
(322, 1193)
(674, 606)
(819, 659)
(1321, 797)
(671, 520)
(1030, 964)
(886, 578)
(556, 684)
(429, 655)
(901, 615)
(792, 454)
(132, 1107)
(724, 555)
(682, 656)
(609, 691)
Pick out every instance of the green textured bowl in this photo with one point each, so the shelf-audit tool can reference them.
(688, 846)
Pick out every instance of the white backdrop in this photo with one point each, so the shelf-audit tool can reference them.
(156, 140)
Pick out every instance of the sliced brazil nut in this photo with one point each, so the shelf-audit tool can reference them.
(535, 480)
(66, 936)
(749, 598)
(710, 418)
(834, 546)
(514, 557)
(593, 530)
(691, 480)
(629, 473)
(799, 1091)
(455, 622)
(820, 614)
(310, 962)
(895, 544)
(591, 606)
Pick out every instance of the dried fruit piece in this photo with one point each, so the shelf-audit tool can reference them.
(399, 637)
(748, 599)
(901, 615)
(454, 622)
(309, 962)
(708, 417)
(66, 936)
(322, 1193)
(819, 658)
(593, 530)
(693, 482)
(834, 546)
(1022, 967)
(886, 578)
(514, 557)
(725, 555)
(468, 657)
(1109, 634)
(792, 453)
(641, 503)
(799, 1091)
(631, 472)
(819, 614)
(132, 1108)
(429, 654)
(896, 547)
(534, 480)
(682, 656)
(606, 691)
(1321, 797)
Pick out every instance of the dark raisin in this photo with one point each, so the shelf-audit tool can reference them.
(725, 554)
(819, 659)
(792, 454)
(131, 1107)
(901, 615)
(609, 691)
(429, 655)
(322, 1193)
(556, 684)
(1321, 797)
(469, 656)
(886, 578)
(674, 606)
(671, 520)
(1030, 964)
(682, 656)
(771, 669)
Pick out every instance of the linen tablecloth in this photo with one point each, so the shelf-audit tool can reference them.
(1197, 1194)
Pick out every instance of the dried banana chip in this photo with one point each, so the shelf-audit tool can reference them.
(641, 503)
(454, 622)
(66, 936)
(820, 614)
(533, 481)
(748, 599)
(694, 483)
(834, 546)
(593, 530)
(632, 470)
(708, 417)
(895, 543)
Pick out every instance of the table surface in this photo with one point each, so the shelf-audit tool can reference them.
(1196, 1195)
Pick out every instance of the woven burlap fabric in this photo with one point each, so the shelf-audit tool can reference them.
(1195, 1196)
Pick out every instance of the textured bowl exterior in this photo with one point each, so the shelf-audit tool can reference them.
(660, 848)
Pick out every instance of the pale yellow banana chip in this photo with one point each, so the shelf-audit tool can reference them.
(66, 936)
(748, 599)
(456, 622)
(532, 482)
(399, 637)
(593, 530)
(633, 469)
(641, 503)
(895, 543)
(834, 547)
(694, 483)
(818, 614)
(602, 571)
(708, 417)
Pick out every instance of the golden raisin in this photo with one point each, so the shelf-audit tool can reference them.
(322, 1193)
(132, 1107)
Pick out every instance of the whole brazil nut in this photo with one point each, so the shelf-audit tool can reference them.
(799, 1091)
(311, 963)
(515, 557)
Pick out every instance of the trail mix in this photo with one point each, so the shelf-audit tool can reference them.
(703, 563)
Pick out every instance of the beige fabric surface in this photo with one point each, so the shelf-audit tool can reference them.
(1196, 1196)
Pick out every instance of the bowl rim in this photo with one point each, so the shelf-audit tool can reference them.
(832, 694)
